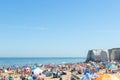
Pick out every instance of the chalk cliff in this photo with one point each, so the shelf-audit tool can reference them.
(104, 55)
(114, 54)
(98, 55)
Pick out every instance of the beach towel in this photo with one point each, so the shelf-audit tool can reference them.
(87, 77)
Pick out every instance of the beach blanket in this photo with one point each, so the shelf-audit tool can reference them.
(89, 76)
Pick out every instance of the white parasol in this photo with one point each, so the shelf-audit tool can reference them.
(37, 71)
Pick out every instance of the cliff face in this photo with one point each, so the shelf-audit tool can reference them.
(114, 54)
(97, 55)
(104, 55)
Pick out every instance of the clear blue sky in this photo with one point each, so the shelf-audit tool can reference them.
(58, 28)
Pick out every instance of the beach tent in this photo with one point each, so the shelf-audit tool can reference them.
(37, 71)
(107, 77)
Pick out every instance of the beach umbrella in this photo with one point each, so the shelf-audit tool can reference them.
(107, 77)
(37, 71)
(24, 66)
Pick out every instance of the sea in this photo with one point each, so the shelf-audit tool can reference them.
(39, 60)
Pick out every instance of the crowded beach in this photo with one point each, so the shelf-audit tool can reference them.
(74, 71)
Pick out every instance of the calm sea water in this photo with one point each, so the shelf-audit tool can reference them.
(24, 61)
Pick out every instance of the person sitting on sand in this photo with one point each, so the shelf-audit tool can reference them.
(73, 70)
(93, 74)
(87, 71)
(40, 77)
(63, 73)
(80, 70)
(113, 68)
(54, 75)
(59, 75)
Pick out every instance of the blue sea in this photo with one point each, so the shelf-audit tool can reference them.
(41, 60)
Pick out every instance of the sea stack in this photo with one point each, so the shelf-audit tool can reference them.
(103, 55)
(97, 55)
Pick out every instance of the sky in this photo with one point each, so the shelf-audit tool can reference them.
(58, 28)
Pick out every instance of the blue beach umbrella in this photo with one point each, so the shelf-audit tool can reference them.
(24, 66)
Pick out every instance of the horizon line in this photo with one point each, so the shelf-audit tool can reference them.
(42, 57)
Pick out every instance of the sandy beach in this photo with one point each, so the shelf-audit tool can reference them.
(75, 71)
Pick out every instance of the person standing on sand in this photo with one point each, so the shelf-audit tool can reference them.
(40, 77)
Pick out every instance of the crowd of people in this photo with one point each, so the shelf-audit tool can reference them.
(78, 71)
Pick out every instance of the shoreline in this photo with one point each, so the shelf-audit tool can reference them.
(31, 61)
